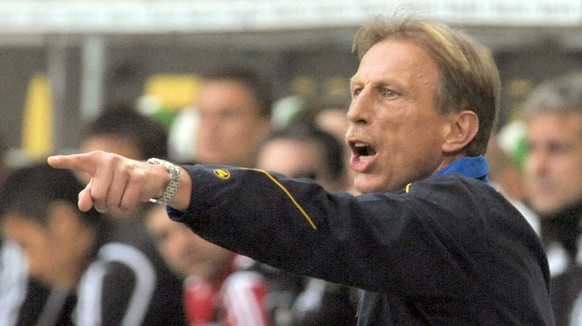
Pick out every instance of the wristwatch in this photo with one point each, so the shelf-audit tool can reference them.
(172, 186)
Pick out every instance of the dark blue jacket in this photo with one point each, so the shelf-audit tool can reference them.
(450, 250)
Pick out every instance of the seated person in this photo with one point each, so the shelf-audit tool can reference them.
(25, 301)
(85, 254)
(303, 150)
(217, 290)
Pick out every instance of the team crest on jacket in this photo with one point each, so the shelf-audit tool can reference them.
(222, 174)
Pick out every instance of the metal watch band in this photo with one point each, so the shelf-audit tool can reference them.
(172, 186)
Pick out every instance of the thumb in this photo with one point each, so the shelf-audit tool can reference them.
(85, 199)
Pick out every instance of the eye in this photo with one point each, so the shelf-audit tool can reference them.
(386, 92)
(558, 148)
(230, 113)
(356, 91)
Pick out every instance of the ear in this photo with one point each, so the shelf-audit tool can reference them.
(464, 126)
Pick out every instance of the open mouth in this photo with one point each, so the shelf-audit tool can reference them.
(362, 151)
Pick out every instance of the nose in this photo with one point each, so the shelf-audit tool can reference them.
(208, 120)
(359, 109)
(536, 162)
(208, 125)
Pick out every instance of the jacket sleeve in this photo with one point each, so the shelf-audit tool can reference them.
(438, 239)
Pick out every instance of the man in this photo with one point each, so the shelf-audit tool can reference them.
(553, 167)
(506, 176)
(429, 240)
(330, 114)
(122, 130)
(217, 288)
(234, 106)
(303, 150)
(23, 300)
(84, 254)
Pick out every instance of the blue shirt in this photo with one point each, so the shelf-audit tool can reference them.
(475, 167)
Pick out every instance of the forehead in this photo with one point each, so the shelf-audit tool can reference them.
(566, 124)
(112, 144)
(287, 155)
(24, 231)
(398, 61)
(224, 93)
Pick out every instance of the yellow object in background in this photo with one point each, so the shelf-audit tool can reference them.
(173, 91)
(37, 129)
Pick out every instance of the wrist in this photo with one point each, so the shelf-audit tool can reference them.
(171, 186)
(183, 195)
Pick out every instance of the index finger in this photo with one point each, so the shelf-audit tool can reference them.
(85, 162)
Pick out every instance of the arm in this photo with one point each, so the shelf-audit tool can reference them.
(441, 239)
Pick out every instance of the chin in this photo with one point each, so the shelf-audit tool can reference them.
(362, 185)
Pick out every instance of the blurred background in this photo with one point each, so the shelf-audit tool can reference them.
(61, 61)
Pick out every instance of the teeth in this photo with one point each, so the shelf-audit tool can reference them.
(363, 150)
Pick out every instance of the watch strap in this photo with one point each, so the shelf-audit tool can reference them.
(173, 185)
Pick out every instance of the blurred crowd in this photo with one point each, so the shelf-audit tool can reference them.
(61, 266)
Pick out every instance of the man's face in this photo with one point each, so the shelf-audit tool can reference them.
(554, 161)
(54, 255)
(295, 159)
(230, 124)
(395, 133)
(183, 250)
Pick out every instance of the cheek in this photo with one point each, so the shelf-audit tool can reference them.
(570, 173)
(170, 249)
(39, 260)
(177, 244)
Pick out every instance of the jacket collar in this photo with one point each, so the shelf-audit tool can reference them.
(475, 167)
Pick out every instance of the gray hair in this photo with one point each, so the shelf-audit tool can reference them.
(561, 94)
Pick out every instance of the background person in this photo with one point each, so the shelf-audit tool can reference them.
(121, 129)
(218, 289)
(23, 299)
(84, 254)
(235, 106)
(506, 176)
(303, 150)
(329, 112)
(553, 167)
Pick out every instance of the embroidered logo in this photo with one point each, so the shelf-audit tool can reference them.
(222, 174)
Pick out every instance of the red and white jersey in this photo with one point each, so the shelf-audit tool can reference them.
(239, 300)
